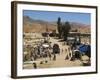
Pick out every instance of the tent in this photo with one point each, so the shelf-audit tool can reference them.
(45, 45)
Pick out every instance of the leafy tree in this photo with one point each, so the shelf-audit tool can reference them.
(66, 29)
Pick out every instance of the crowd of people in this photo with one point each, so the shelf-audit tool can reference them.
(45, 51)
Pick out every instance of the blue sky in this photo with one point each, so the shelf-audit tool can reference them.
(84, 18)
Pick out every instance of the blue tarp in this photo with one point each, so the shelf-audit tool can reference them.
(84, 48)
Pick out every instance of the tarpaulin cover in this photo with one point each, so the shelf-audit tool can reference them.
(84, 48)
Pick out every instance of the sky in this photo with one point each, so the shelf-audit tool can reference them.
(50, 16)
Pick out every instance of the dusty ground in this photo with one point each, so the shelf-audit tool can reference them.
(60, 59)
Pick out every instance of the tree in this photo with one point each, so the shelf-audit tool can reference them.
(66, 29)
(59, 27)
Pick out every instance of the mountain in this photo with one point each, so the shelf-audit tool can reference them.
(32, 25)
(83, 28)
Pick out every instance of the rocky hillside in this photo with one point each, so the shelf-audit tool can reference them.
(31, 25)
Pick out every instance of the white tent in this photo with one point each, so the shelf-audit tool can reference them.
(45, 45)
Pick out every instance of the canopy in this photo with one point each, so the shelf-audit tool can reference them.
(45, 45)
